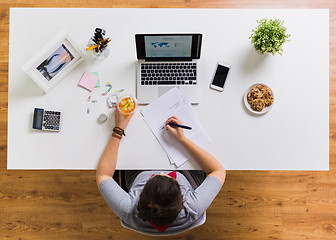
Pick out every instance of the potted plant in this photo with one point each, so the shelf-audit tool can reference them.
(269, 36)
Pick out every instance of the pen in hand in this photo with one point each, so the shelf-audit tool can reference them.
(178, 125)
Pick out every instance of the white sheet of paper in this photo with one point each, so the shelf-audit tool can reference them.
(174, 103)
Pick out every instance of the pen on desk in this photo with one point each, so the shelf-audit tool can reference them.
(178, 125)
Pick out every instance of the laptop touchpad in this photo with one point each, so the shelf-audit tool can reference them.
(163, 90)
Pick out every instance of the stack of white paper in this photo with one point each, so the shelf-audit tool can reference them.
(174, 103)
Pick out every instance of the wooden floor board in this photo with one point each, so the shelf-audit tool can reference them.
(60, 204)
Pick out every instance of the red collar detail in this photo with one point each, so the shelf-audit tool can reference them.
(160, 228)
(171, 174)
(163, 228)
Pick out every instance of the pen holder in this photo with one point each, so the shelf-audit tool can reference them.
(99, 55)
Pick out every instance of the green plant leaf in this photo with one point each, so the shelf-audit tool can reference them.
(269, 36)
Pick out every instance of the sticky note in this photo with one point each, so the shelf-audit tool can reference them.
(98, 83)
(88, 81)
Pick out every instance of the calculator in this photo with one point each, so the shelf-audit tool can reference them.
(47, 120)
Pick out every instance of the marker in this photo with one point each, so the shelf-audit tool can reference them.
(178, 125)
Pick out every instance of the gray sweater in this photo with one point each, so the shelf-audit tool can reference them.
(195, 201)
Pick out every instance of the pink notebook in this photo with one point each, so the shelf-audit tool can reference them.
(88, 81)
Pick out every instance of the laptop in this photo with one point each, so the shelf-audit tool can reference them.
(166, 61)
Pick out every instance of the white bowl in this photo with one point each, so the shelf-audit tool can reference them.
(248, 106)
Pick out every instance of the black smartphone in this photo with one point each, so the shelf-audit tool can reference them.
(220, 76)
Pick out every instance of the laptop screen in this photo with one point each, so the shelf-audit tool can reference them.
(168, 46)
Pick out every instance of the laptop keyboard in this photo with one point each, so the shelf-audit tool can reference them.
(168, 73)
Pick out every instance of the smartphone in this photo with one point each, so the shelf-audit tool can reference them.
(220, 76)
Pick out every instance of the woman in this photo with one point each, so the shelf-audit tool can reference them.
(159, 201)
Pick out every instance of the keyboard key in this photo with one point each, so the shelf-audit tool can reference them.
(167, 83)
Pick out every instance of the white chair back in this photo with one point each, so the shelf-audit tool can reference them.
(197, 223)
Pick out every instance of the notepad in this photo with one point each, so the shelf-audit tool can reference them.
(174, 103)
(88, 81)
(98, 83)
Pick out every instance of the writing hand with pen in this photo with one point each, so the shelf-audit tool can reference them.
(175, 127)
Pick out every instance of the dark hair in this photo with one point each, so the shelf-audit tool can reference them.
(160, 201)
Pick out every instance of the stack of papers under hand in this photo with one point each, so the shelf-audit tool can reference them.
(174, 103)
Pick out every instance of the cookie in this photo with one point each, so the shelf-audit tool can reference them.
(249, 98)
(256, 91)
(266, 90)
(268, 101)
(258, 104)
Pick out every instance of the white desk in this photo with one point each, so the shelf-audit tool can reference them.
(294, 135)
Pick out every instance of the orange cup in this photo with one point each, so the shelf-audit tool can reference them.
(127, 104)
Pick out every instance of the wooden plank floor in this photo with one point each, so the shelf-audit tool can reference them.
(252, 204)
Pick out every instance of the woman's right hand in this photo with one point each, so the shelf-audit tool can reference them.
(177, 132)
